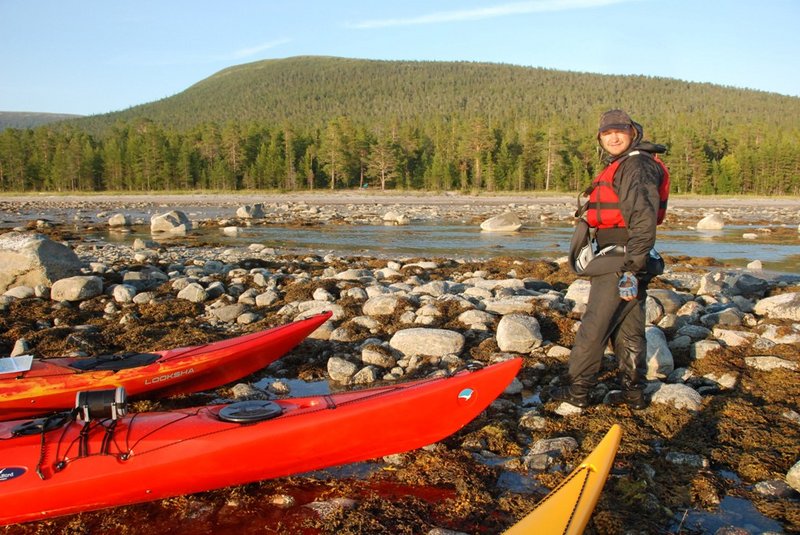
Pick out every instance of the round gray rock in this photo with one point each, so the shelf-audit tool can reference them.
(428, 342)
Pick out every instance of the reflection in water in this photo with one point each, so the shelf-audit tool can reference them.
(520, 483)
(453, 240)
(732, 512)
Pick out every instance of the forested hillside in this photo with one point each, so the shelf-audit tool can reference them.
(321, 122)
(24, 119)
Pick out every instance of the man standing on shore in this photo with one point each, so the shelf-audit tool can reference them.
(626, 202)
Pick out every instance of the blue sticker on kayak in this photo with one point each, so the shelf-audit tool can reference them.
(465, 394)
(11, 472)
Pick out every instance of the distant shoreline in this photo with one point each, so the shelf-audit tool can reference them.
(377, 197)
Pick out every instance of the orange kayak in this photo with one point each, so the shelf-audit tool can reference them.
(52, 384)
(62, 466)
(567, 509)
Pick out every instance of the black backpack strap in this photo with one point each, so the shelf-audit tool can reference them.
(582, 207)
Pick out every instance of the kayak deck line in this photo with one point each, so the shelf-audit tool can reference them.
(567, 509)
(583, 469)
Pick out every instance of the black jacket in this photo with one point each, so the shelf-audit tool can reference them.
(636, 183)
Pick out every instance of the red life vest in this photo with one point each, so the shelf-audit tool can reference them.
(602, 210)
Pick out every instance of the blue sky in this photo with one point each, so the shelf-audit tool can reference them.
(97, 56)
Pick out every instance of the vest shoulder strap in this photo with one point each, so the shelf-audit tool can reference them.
(638, 153)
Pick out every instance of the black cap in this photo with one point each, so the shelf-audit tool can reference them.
(615, 120)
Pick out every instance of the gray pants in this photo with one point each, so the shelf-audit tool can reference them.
(608, 317)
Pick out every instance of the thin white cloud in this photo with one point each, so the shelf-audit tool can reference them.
(502, 10)
(174, 59)
(253, 50)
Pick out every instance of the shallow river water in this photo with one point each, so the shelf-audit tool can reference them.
(457, 240)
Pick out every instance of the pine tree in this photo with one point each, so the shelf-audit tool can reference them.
(334, 153)
(382, 162)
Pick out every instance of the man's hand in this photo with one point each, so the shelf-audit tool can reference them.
(628, 286)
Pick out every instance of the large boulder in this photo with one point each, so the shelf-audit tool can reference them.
(33, 260)
(395, 218)
(193, 292)
(670, 300)
(428, 342)
(251, 211)
(711, 222)
(119, 220)
(578, 293)
(76, 288)
(680, 396)
(515, 304)
(341, 370)
(381, 305)
(750, 286)
(476, 318)
(659, 357)
(506, 222)
(519, 333)
(147, 278)
(229, 313)
(782, 306)
(355, 275)
(174, 222)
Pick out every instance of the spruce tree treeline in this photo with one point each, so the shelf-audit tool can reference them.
(312, 122)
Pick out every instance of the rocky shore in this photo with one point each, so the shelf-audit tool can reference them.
(723, 366)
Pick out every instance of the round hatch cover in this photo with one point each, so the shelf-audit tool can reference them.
(250, 411)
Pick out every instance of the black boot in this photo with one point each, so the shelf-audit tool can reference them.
(574, 395)
(631, 354)
(631, 395)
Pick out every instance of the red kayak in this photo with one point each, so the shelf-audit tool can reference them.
(52, 468)
(51, 384)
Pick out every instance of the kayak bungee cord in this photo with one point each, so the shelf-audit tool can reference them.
(67, 417)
